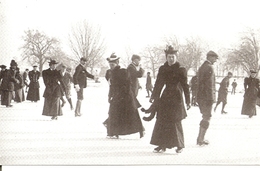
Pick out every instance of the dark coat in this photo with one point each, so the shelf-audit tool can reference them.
(8, 81)
(80, 76)
(252, 91)
(134, 75)
(124, 118)
(206, 83)
(223, 90)
(8, 78)
(34, 86)
(54, 88)
(171, 109)
(194, 85)
(149, 85)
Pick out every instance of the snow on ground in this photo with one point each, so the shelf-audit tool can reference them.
(28, 138)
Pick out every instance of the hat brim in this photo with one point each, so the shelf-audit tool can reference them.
(112, 59)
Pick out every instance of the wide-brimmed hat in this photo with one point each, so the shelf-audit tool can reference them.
(35, 65)
(53, 62)
(212, 54)
(112, 57)
(13, 63)
(170, 50)
(2, 66)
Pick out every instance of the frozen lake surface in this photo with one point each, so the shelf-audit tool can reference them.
(28, 138)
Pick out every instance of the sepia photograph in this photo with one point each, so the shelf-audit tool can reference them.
(117, 83)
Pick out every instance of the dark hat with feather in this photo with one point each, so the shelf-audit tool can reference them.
(112, 58)
(170, 50)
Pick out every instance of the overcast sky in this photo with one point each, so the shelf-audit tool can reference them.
(129, 23)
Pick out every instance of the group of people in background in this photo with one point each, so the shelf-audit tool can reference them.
(13, 82)
(170, 96)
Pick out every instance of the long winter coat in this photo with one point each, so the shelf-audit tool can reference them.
(8, 80)
(54, 88)
(124, 118)
(252, 90)
(134, 75)
(168, 129)
(34, 86)
(206, 94)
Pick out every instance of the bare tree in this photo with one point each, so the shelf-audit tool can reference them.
(86, 41)
(38, 47)
(247, 54)
(154, 57)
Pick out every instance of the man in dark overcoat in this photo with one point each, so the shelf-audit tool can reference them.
(80, 82)
(3, 69)
(223, 92)
(8, 80)
(194, 89)
(54, 88)
(123, 117)
(34, 86)
(136, 71)
(206, 95)
(149, 85)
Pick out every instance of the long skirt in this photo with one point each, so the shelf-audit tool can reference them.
(52, 107)
(6, 97)
(33, 94)
(168, 135)
(249, 106)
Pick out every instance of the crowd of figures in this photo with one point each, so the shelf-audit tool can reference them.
(13, 83)
(169, 96)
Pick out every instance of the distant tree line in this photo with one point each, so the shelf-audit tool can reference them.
(86, 40)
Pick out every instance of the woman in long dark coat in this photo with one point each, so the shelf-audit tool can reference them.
(54, 88)
(34, 86)
(123, 117)
(168, 132)
(251, 85)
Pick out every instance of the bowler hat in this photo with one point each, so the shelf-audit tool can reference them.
(170, 50)
(112, 57)
(212, 54)
(53, 62)
(83, 59)
(2, 66)
(13, 63)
